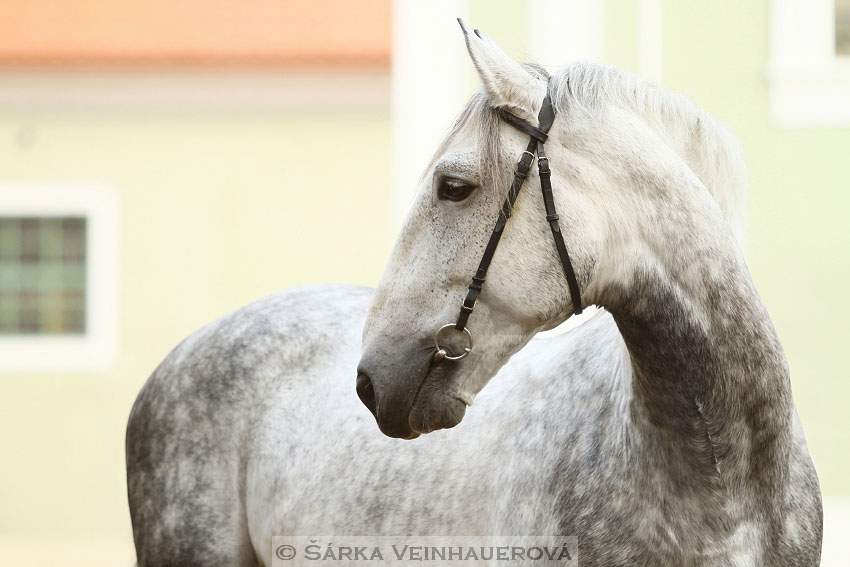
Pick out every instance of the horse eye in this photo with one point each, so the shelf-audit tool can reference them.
(454, 190)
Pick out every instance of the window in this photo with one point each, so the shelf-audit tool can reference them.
(58, 277)
(842, 27)
(810, 63)
(42, 275)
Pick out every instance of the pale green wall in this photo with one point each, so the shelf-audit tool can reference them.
(217, 209)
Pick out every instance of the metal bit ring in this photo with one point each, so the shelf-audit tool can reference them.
(443, 353)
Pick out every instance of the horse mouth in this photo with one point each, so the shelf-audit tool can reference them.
(446, 414)
(435, 405)
(427, 402)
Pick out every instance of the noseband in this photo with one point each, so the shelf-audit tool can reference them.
(538, 138)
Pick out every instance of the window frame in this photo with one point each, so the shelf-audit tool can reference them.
(96, 349)
(809, 82)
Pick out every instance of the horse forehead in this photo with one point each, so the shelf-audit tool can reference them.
(462, 160)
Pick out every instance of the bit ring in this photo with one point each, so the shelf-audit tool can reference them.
(443, 353)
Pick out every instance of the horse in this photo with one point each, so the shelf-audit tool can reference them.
(662, 431)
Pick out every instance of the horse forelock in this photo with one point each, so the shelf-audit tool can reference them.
(480, 118)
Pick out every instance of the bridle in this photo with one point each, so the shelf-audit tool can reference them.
(538, 138)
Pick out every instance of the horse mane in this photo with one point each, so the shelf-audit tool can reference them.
(706, 146)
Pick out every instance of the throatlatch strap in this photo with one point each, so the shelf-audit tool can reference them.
(538, 136)
(552, 216)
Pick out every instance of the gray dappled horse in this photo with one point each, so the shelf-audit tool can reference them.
(660, 432)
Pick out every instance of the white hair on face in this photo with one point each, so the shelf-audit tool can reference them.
(706, 146)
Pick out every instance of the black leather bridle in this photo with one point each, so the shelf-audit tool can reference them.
(538, 138)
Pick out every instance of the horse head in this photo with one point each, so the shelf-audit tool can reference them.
(614, 174)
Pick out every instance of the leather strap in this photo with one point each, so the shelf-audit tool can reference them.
(520, 173)
(552, 217)
(538, 135)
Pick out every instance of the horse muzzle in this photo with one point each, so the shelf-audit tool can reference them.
(410, 397)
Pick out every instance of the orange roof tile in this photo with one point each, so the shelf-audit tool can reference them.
(195, 31)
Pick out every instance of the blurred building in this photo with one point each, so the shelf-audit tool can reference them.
(162, 163)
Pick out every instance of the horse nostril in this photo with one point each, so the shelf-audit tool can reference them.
(366, 393)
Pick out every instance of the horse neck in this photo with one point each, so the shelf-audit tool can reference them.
(710, 380)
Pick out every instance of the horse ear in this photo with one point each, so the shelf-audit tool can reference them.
(507, 84)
